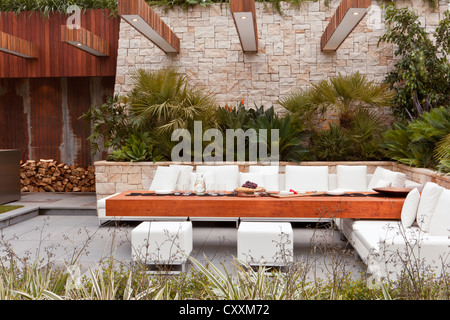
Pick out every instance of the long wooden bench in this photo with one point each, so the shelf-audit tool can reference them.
(367, 205)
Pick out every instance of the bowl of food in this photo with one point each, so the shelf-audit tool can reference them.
(249, 189)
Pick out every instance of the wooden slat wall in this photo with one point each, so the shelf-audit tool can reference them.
(336, 19)
(141, 8)
(40, 116)
(55, 57)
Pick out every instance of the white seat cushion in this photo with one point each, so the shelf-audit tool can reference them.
(165, 178)
(440, 221)
(351, 177)
(428, 201)
(409, 209)
(306, 178)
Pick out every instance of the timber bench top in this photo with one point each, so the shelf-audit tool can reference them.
(362, 205)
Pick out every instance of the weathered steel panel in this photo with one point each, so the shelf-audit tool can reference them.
(40, 116)
(10, 176)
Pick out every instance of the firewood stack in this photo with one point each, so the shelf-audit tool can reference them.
(48, 176)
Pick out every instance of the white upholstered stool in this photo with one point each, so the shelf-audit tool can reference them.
(268, 243)
(162, 242)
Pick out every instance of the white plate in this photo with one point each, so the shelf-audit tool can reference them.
(163, 191)
(286, 192)
(335, 192)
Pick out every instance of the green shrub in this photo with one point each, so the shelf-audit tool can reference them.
(423, 142)
(421, 77)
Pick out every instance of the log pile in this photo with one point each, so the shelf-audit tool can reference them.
(49, 176)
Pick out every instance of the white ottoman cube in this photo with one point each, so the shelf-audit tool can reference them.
(162, 242)
(270, 243)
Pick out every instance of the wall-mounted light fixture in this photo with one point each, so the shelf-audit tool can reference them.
(141, 16)
(85, 40)
(244, 16)
(17, 46)
(347, 16)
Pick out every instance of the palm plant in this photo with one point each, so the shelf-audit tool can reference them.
(162, 100)
(348, 94)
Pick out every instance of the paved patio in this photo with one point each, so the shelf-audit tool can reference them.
(62, 227)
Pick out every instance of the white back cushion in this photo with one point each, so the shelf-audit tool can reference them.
(208, 176)
(184, 178)
(351, 177)
(268, 181)
(397, 179)
(263, 169)
(409, 210)
(165, 178)
(306, 178)
(257, 178)
(428, 201)
(440, 221)
(227, 175)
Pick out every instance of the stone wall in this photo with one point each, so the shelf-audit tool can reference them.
(288, 57)
(112, 177)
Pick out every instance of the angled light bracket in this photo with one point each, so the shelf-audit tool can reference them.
(85, 40)
(244, 16)
(17, 46)
(347, 16)
(142, 17)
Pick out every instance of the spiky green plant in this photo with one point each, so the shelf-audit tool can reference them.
(164, 101)
(423, 142)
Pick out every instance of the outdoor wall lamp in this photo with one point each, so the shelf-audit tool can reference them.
(244, 17)
(142, 17)
(347, 16)
(17, 46)
(83, 39)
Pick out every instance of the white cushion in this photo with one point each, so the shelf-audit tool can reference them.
(351, 177)
(440, 221)
(409, 210)
(263, 169)
(428, 201)
(165, 178)
(306, 178)
(257, 178)
(268, 181)
(382, 184)
(397, 179)
(209, 180)
(184, 178)
(271, 182)
(227, 175)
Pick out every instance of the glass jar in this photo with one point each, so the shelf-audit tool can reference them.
(199, 186)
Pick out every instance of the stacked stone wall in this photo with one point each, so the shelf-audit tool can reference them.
(288, 58)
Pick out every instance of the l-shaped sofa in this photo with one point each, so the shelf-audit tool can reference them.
(420, 239)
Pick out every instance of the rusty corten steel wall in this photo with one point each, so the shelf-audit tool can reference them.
(39, 116)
